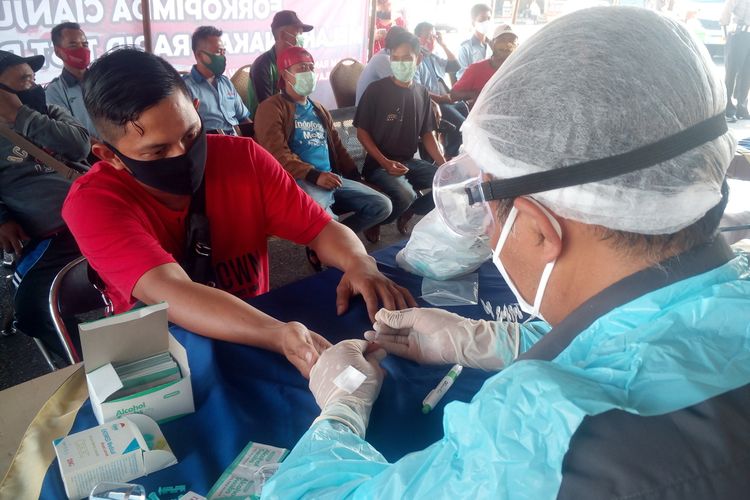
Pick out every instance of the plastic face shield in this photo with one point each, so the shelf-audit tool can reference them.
(450, 186)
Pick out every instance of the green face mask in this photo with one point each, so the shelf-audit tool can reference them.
(300, 40)
(218, 63)
(404, 70)
(304, 83)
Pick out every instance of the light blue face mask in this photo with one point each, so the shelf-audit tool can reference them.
(304, 83)
(404, 70)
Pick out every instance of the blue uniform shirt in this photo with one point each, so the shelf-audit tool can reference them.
(309, 140)
(431, 72)
(377, 68)
(471, 51)
(66, 91)
(221, 107)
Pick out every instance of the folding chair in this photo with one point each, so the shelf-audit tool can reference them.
(343, 80)
(71, 294)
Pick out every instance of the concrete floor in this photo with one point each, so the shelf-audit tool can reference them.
(20, 360)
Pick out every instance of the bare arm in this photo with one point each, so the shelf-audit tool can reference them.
(369, 144)
(432, 148)
(217, 314)
(338, 246)
(464, 95)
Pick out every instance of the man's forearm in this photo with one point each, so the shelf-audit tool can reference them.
(208, 311)
(57, 131)
(450, 56)
(432, 148)
(464, 95)
(337, 246)
(369, 144)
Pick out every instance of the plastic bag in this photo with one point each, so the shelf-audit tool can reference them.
(461, 291)
(436, 252)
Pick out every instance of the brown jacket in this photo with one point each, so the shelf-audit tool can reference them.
(274, 124)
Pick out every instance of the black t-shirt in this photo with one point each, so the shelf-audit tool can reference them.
(395, 117)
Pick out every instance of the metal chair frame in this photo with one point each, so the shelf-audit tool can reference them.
(56, 296)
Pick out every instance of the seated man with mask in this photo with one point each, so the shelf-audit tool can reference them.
(476, 76)
(300, 134)
(220, 107)
(392, 117)
(32, 193)
(287, 30)
(72, 47)
(160, 170)
(603, 220)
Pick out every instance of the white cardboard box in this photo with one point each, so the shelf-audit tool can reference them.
(129, 337)
(118, 451)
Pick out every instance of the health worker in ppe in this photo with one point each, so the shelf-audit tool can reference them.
(595, 160)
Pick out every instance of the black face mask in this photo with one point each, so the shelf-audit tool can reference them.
(177, 175)
(33, 97)
(384, 15)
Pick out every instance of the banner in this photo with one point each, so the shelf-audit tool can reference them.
(340, 30)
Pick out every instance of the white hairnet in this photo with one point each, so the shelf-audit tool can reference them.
(596, 83)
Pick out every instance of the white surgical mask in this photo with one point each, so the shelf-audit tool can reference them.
(404, 70)
(534, 310)
(304, 83)
(484, 27)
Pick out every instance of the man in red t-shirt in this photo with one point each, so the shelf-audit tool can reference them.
(471, 83)
(128, 214)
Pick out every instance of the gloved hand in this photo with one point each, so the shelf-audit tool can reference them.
(435, 336)
(350, 406)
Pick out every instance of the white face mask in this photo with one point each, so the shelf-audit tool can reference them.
(484, 27)
(533, 310)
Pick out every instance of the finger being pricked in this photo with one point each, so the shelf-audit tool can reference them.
(320, 343)
(397, 344)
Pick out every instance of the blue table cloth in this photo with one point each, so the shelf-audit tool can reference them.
(246, 394)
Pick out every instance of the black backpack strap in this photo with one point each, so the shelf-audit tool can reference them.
(197, 255)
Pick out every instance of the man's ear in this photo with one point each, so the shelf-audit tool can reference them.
(58, 53)
(103, 152)
(196, 103)
(540, 224)
(201, 57)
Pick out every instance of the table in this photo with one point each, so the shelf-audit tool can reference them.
(246, 394)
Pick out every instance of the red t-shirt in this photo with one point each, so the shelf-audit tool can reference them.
(476, 76)
(124, 231)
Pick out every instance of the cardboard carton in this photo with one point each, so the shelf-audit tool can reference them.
(118, 451)
(129, 337)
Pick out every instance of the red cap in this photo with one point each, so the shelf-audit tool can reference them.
(291, 56)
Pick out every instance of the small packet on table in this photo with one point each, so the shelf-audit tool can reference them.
(247, 474)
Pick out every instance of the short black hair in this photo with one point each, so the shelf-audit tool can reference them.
(479, 9)
(392, 35)
(57, 32)
(125, 82)
(408, 39)
(202, 33)
(423, 27)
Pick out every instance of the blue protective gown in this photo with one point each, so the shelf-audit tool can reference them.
(664, 351)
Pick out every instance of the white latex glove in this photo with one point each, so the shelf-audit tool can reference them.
(349, 407)
(435, 336)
